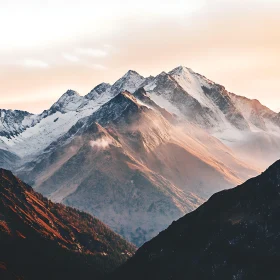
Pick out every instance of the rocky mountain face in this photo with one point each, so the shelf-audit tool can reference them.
(254, 112)
(167, 93)
(242, 124)
(234, 235)
(98, 91)
(131, 81)
(196, 98)
(142, 152)
(43, 240)
(69, 101)
(111, 180)
(13, 123)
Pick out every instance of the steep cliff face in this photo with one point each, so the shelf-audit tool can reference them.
(43, 240)
(13, 122)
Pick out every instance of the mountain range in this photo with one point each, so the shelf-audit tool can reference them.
(142, 152)
(40, 239)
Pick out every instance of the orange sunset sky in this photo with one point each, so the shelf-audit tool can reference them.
(50, 46)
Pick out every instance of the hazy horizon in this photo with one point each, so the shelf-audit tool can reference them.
(233, 43)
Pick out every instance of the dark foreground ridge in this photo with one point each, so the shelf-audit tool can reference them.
(43, 240)
(234, 235)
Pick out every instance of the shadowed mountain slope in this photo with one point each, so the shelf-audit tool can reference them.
(234, 235)
(43, 240)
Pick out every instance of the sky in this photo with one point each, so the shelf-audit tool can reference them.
(50, 46)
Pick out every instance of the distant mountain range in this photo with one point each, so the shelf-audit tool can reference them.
(234, 235)
(142, 152)
(43, 240)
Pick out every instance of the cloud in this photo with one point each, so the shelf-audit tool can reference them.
(101, 143)
(71, 58)
(98, 67)
(92, 52)
(84, 62)
(34, 63)
(109, 48)
(94, 66)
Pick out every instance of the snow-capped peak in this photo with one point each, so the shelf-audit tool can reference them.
(163, 73)
(180, 70)
(69, 101)
(131, 73)
(131, 81)
(118, 109)
(183, 71)
(98, 90)
(192, 83)
(71, 92)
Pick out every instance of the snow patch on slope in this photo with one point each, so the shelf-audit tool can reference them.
(191, 83)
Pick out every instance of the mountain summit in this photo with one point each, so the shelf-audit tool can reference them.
(69, 101)
(130, 82)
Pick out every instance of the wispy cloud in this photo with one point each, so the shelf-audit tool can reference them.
(34, 63)
(109, 48)
(84, 61)
(98, 67)
(92, 52)
(101, 143)
(70, 57)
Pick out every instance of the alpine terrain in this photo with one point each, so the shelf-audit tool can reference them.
(142, 152)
